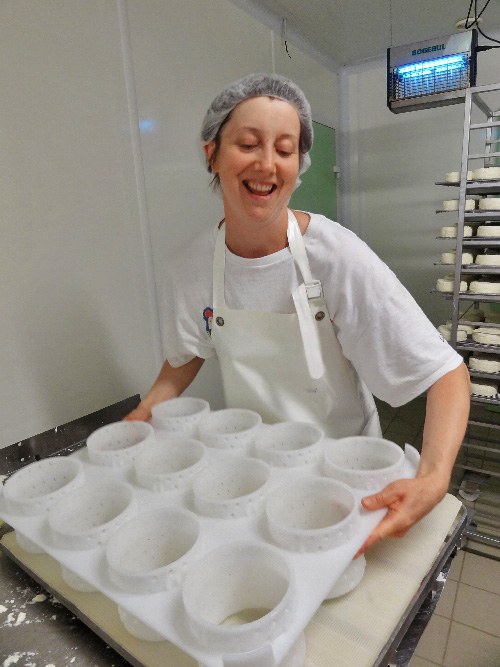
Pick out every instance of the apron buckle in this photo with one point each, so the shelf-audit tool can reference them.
(314, 290)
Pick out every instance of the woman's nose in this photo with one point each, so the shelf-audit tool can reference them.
(265, 159)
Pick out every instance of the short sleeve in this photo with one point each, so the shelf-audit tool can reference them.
(186, 307)
(389, 340)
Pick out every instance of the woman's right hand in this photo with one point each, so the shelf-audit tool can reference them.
(140, 413)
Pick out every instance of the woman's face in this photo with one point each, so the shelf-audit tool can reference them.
(258, 159)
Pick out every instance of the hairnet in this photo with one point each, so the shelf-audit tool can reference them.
(265, 85)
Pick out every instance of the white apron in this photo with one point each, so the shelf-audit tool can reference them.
(289, 367)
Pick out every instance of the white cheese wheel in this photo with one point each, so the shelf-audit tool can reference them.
(486, 363)
(489, 204)
(485, 286)
(488, 230)
(445, 332)
(447, 283)
(451, 231)
(487, 336)
(454, 176)
(488, 260)
(468, 328)
(452, 205)
(484, 388)
(450, 257)
(486, 173)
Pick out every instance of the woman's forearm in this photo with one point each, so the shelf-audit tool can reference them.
(170, 383)
(447, 412)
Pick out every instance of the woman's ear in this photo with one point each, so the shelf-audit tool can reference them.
(209, 152)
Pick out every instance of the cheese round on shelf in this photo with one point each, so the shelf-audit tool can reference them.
(454, 176)
(488, 231)
(446, 284)
(451, 231)
(485, 363)
(490, 259)
(487, 335)
(445, 332)
(450, 257)
(489, 204)
(468, 328)
(486, 173)
(485, 286)
(452, 205)
(484, 388)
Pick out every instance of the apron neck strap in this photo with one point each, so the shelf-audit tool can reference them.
(219, 300)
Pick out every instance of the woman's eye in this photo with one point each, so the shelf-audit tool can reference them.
(247, 147)
(285, 153)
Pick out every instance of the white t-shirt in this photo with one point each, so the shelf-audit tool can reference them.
(383, 332)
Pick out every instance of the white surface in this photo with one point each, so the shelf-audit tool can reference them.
(315, 573)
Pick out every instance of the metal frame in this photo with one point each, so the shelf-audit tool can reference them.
(473, 96)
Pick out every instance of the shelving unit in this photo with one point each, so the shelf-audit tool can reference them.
(476, 477)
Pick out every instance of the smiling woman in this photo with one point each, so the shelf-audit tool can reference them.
(306, 321)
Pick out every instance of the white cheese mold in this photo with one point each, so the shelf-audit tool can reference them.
(231, 429)
(118, 444)
(151, 552)
(243, 576)
(364, 462)
(312, 514)
(34, 488)
(232, 488)
(289, 444)
(180, 415)
(85, 518)
(170, 464)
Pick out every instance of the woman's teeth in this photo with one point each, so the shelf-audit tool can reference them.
(261, 189)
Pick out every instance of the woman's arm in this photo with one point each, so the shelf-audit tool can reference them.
(170, 383)
(408, 500)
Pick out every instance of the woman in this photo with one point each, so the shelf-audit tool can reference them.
(305, 320)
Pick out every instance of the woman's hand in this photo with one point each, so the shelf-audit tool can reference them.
(140, 413)
(407, 501)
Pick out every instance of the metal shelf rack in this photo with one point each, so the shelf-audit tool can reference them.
(478, 463)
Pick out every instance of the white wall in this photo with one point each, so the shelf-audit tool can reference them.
(393, 161)
(82, 189)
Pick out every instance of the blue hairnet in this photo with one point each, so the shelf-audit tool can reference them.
(261, 85)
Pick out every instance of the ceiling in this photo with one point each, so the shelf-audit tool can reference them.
(343, 32)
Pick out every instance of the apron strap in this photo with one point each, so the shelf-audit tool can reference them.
(219, 300)
(309, 289)
(298, 250)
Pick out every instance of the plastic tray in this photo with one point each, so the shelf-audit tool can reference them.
(224, 564)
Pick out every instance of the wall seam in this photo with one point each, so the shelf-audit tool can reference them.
(147, 248)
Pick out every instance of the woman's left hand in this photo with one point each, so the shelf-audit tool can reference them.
(407, 500)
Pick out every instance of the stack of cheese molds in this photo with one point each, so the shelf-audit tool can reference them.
(190, 520)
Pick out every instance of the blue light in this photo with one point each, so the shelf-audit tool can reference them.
(146, 125)
(428, 77)
(438, 64)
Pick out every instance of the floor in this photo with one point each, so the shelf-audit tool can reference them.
(464, 631)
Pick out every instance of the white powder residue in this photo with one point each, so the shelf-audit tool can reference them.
(2, 608)
(12, 659)
(38, 598)
(72, 659)
(51, 664)
(53, 618)
(20, 618)
(10, 617)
